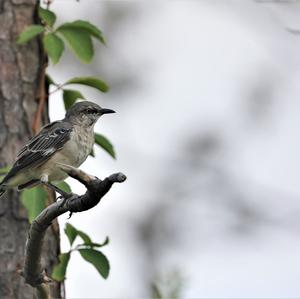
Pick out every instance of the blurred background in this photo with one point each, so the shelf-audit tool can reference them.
(207, 131)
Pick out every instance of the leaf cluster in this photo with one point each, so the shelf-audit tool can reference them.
(77, 35)
(88, 250)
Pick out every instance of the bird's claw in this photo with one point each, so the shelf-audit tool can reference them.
(65, 199)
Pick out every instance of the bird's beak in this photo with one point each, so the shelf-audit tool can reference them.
(106, 111)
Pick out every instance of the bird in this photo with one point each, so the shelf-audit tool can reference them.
(68, 141)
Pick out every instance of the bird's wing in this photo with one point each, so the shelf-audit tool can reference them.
(40, 148)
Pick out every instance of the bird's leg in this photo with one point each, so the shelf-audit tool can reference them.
(58, 190)
(45, 180)
(65, 196)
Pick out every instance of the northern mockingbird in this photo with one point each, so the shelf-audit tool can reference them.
(68, 141)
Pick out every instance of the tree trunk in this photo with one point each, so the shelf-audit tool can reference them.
(20, 73)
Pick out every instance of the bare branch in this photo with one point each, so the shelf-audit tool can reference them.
(33, 272)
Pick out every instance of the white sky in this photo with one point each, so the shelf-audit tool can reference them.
(194, 60)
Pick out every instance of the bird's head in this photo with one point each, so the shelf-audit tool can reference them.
(86, 113)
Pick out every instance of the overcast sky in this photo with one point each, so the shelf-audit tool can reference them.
(226, 68)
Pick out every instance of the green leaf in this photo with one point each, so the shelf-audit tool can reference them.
(59, 271)
(90, 28)
(70, 96)
(4, 170)
(34, 200)
(89, 81)
(29, 33)
(86, 239)
(97, 259)
(47, 16)
(79, 42)
(71, 233)
(63, 186)
(106, 241)
(105, 144)
(54, 46)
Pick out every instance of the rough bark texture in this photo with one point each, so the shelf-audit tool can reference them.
(20, 68)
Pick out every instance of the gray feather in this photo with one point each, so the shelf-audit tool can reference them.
(40, 148)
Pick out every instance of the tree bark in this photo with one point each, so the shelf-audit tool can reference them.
(20, 73)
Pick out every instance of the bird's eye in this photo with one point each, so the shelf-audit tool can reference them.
(91, 111)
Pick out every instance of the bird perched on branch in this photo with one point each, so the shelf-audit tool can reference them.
(68, 141)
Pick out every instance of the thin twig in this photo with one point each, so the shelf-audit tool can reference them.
(96, 189)
(58, 87)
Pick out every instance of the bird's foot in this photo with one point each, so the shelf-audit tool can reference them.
(64, 198)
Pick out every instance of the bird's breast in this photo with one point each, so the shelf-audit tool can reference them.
(79, 146)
